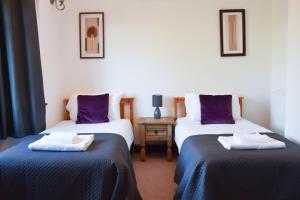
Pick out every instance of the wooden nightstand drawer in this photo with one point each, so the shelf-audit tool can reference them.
(156, 127)
(151, 130)
(156, 132)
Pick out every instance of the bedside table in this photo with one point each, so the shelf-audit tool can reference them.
(156, 130)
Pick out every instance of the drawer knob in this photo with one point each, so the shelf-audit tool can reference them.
(155, 131)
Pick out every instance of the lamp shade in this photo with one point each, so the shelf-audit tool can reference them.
(157, 100)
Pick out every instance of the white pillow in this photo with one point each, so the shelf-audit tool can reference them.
(193, 107)
(236, 109)
(113, 108)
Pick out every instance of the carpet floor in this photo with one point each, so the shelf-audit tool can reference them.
(155, 177)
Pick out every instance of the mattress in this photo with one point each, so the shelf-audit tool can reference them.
(186, 128)
(121, 127)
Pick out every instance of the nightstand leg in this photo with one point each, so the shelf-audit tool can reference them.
(169, 154)
(169, 143)
(143, 151)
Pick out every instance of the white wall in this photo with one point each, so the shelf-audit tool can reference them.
(293, 71)
(52, 60)
(279, 48)
(169, 47)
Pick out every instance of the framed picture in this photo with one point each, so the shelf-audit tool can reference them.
(233, 32)
(91, 31)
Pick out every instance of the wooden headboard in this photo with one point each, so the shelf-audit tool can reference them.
(124, 101)
(180, 101)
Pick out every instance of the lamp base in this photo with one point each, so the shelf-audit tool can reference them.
(157, 114)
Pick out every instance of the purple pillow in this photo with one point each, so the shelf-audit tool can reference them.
(216, 109)
(92, 109)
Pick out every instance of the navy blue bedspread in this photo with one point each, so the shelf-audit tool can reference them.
(104, 171)
(207, 171)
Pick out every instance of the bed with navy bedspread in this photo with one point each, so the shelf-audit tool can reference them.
(104, 171)
(207, 171)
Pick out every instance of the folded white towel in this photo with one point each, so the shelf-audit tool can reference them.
(62, 137)
(251, 138)
(230, 143)
(81, 143)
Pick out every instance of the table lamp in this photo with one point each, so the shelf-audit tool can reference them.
(157, 102)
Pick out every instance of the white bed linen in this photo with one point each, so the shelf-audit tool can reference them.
(120, 126)
(186, 127)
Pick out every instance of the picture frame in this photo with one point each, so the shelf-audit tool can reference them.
(232, 32)
(91, 35)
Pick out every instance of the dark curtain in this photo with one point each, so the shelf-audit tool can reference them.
(22, 102)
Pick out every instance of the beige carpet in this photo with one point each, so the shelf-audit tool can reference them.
(155, 177)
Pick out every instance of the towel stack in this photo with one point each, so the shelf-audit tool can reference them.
(62, 141)
(250, 141)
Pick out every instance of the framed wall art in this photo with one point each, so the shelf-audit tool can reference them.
(91, 33)
(233, 32)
